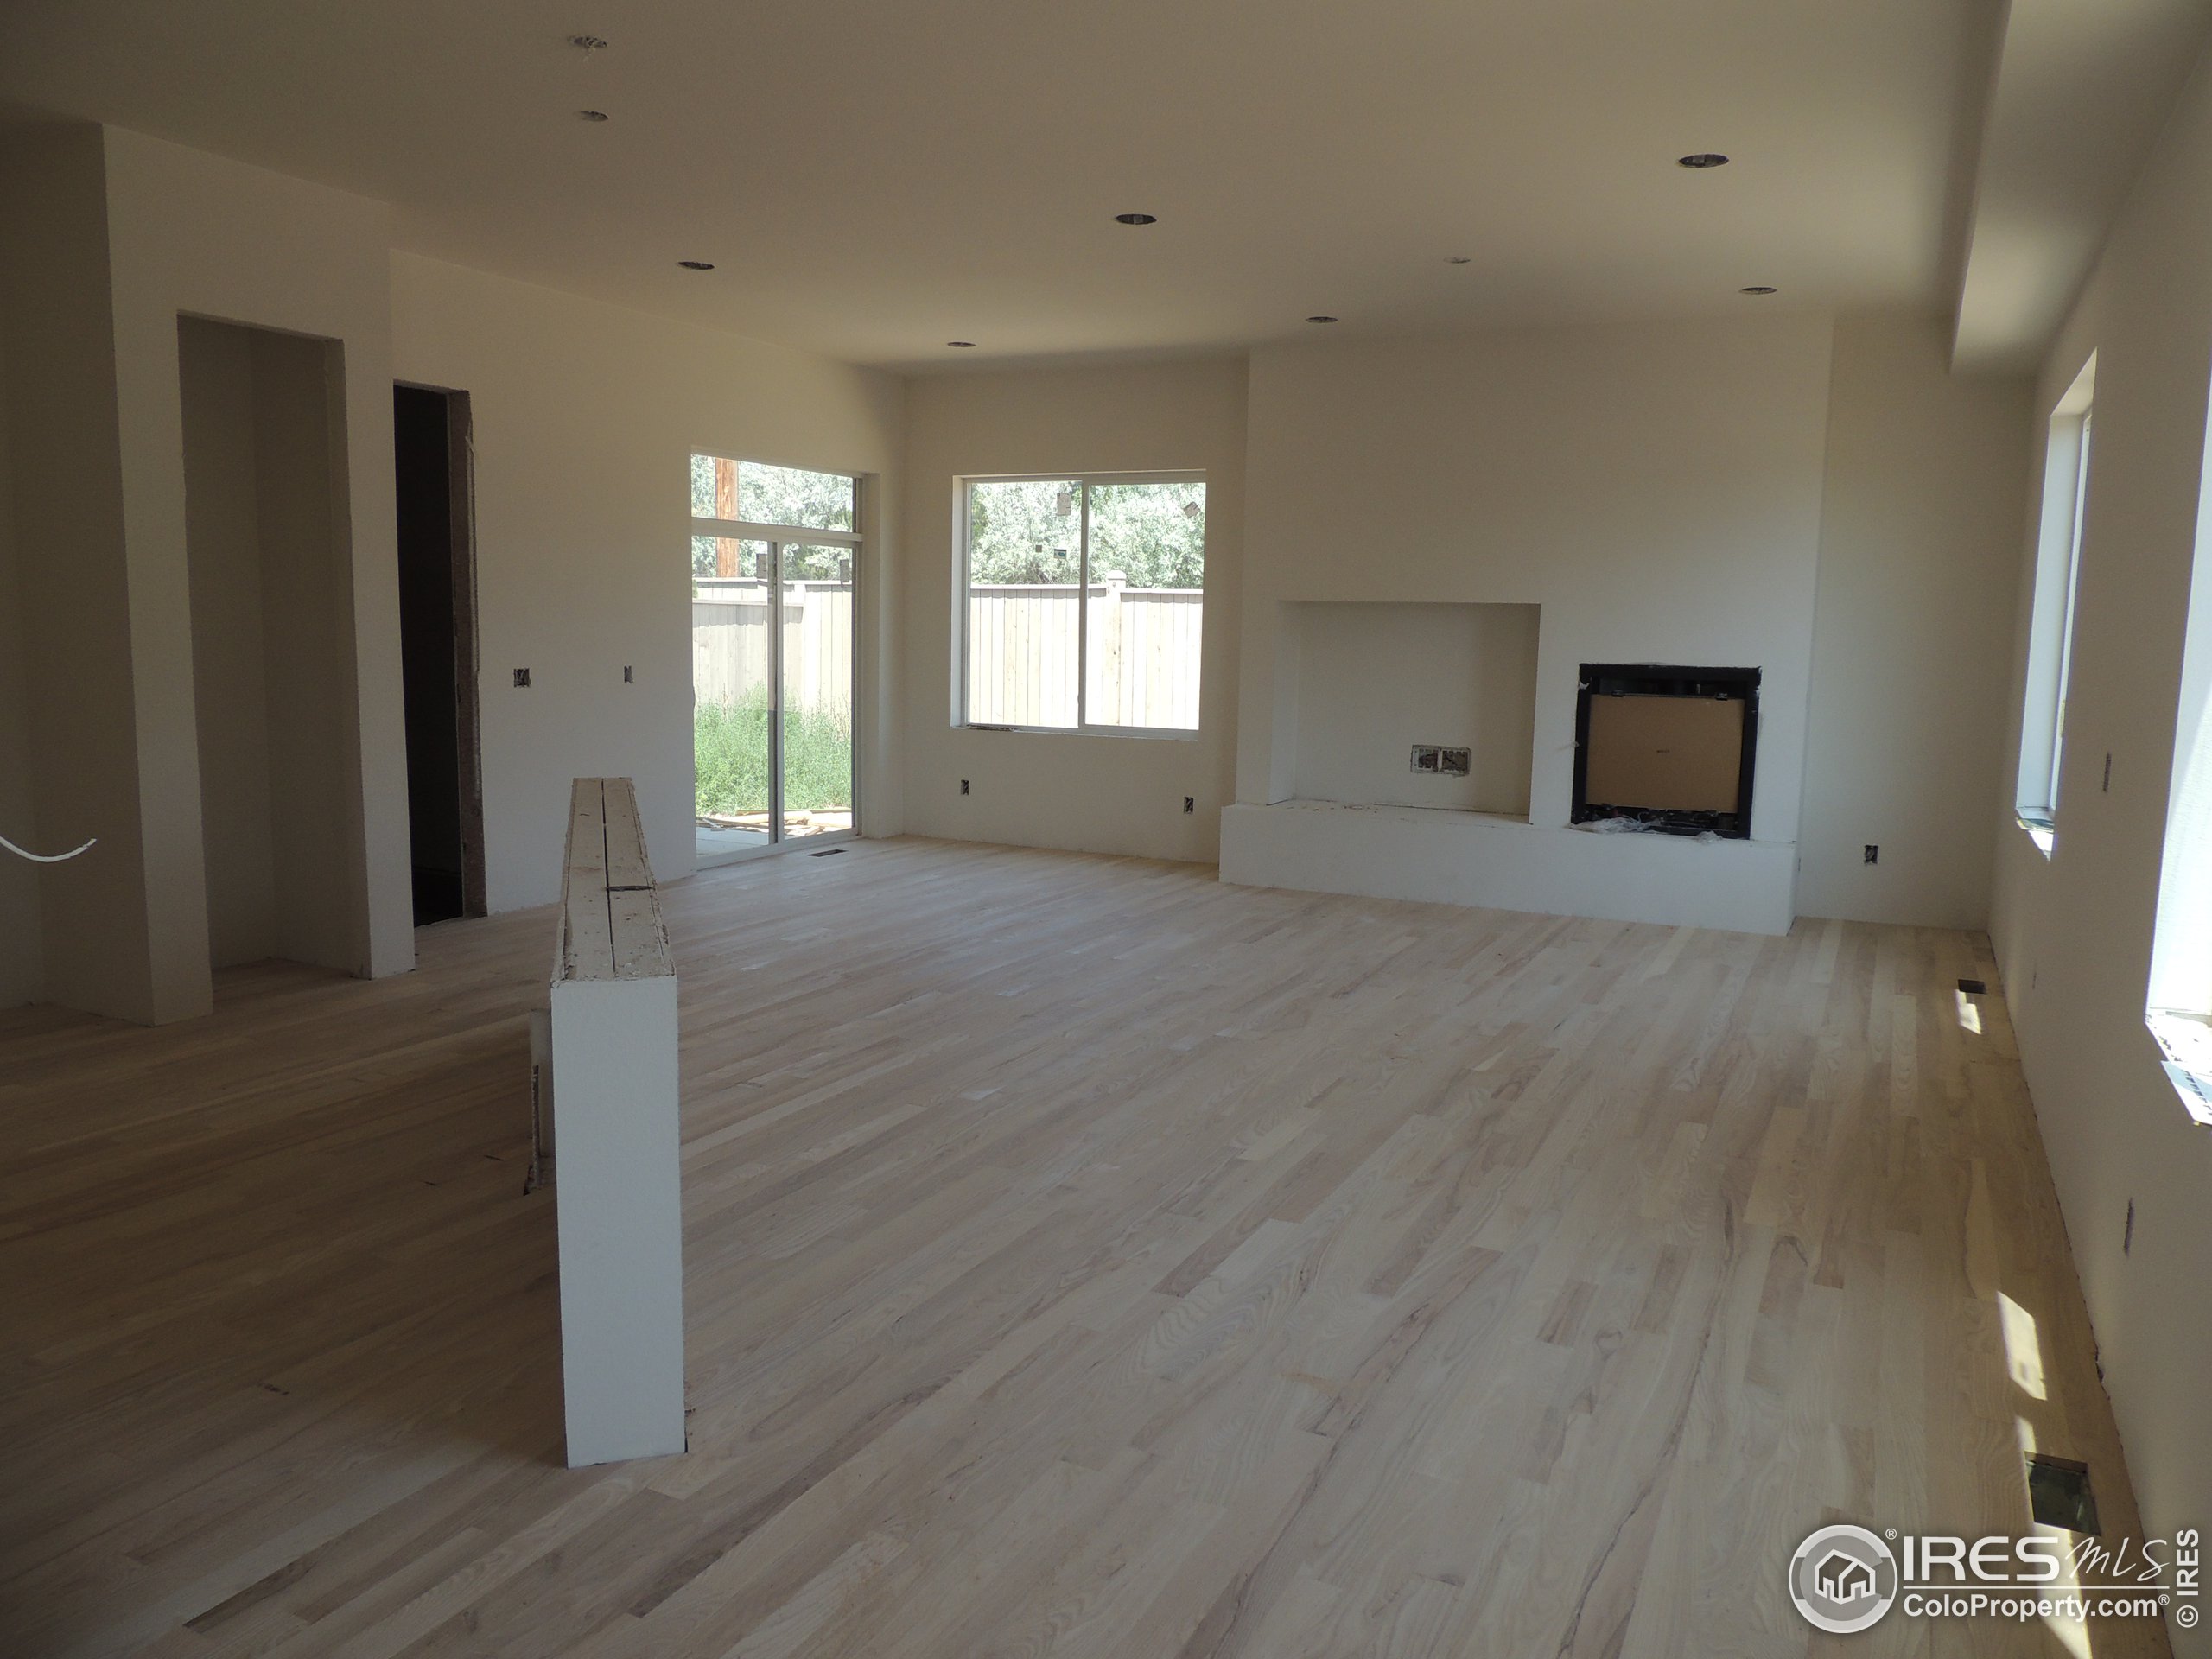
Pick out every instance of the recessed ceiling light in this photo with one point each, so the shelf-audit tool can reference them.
(1699, 161)
(586, 43)
(1320, 319)
(962, 344)
(1458, 260)
(591, 115)
(1761, 289)
(1137, 219)
(696, 265)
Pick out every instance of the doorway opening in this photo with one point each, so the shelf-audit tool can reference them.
(775, 556)
(432, 477)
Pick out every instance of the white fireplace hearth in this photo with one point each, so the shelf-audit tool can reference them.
(1481, 858)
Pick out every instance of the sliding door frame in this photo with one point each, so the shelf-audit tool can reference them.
(777, 538)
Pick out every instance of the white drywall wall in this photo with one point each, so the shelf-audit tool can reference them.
(1374, 680)
(230, 677)
(1098, 793)
(268, 631)
(22, 972)
(71, 572)
(2074, 932)
(298, 385)
(585, 417)
(112, 237)
(1656, 488)
(193, 235)
(618, 1196)
(1920, 534)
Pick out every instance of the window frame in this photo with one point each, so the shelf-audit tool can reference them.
(965, 484)
(2178, 1000)
(2056, 592)
(2068, 595)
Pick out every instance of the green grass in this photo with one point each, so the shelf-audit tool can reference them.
(731, 743)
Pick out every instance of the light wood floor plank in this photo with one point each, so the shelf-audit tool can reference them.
(1083, 1259)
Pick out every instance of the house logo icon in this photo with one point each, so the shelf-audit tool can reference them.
(1843, 1579)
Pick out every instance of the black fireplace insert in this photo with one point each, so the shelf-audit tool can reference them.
(1666, 748)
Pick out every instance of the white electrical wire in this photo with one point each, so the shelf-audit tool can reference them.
(38, 858)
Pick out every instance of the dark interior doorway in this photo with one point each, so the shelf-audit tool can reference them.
(437, 644)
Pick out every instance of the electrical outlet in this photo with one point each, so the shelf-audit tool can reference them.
(1190, 803)
(1443, 762)
(1873, 854)
(963, 785)
(522, 677)
(629, 675)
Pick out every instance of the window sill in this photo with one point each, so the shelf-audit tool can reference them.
(2041, 830)
(2185, 1041)
(1170, 733)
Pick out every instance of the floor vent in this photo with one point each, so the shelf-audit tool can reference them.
(1973, 987)
(2059, 1493)
(827, 852)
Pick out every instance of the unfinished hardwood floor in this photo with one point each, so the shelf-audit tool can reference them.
(1083, 1258)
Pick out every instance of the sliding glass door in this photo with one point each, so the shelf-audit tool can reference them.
(772, 632)
(816, 594)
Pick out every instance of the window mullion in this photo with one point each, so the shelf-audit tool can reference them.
(1083, 612)
(965, 606)
(775, 573)
(748, 530)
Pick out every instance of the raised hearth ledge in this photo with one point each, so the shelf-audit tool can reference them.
(1499, 863)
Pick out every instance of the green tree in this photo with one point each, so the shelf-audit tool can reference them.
(1153, 534)
(775, 495)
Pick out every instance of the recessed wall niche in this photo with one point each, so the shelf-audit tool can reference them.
(271, 643)
(1367, 680)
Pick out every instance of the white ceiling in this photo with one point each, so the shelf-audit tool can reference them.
(874, 179)
(2080, 94)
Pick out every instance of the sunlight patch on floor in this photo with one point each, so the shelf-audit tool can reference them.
(2023, 1348)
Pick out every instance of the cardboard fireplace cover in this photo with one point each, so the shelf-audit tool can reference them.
(1682, 754)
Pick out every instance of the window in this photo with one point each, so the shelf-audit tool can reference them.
(2050, 639)
(749, 493)
(774, 553)
(2180, 1002)
(1084, 603)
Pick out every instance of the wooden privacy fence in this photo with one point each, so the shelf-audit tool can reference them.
(729, 643)
(1144, 655)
